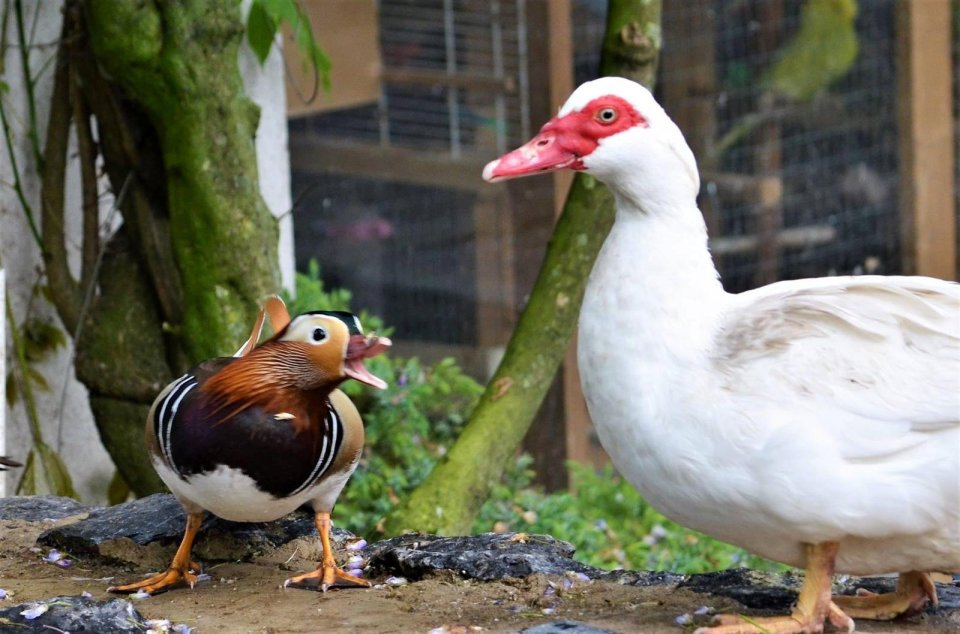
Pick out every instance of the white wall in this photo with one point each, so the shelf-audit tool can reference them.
(74, 435)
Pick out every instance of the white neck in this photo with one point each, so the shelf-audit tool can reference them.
(654, 284)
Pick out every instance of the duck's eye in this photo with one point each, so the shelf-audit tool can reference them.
(607, 115)
(318, 335)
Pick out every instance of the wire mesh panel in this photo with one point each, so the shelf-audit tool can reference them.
(800, 163)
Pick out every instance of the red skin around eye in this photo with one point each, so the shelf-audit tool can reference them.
(580, 132)
(564, 141)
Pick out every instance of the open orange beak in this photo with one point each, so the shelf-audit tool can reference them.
(360, 348)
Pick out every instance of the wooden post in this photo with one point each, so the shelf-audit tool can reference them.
(927, 203)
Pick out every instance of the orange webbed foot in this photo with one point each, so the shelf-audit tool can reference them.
(167, 580)
(324, 578)
(915, 591)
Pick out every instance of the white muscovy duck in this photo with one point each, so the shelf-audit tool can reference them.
(814, 422)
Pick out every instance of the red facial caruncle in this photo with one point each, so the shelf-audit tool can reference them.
(564, 141)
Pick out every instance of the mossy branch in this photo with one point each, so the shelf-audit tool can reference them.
(449, 499)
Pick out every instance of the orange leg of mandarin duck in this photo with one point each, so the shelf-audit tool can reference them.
(181, 569)
(814, 605)
(327, 575)
(915, 590)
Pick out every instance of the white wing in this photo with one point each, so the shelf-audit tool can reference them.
(858, 379)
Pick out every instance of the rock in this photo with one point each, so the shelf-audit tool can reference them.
(565, 627)
(485, 557)
(37, 508)
(149, 529)
(757, 590)
(74, 614)
(639, 578)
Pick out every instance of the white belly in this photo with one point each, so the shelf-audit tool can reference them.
(234, 496)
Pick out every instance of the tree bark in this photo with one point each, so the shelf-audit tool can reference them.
(450, 498)
(181, 280)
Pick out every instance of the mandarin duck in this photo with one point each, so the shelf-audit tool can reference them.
(814, 422)
(252, 437)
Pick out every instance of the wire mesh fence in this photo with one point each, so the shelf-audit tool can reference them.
(789, 105)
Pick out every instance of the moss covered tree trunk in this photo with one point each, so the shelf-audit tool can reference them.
(449, 499)
(180, 281)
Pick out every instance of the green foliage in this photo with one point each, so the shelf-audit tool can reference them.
(411, 424)
(609, 523)
(263, 22)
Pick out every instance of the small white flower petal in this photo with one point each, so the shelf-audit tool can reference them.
(35, 611)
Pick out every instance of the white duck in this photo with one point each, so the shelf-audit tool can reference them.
(814, 422)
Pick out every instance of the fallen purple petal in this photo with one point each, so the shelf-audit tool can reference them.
(64, 563)
(395, 581)
(53, 556)
(203, 577)
(355, 559)
(703, 610)
(158, 626)
(549, 591)
(579, 576)
(360, 544)
(181, 628)
(567, 583)
(683, 619)
(3, 594)
(548, 611)
(600, 524)
(35, 611)
(86, 595)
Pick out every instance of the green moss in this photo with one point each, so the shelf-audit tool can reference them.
(223, 235)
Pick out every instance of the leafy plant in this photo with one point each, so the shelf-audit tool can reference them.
(610, 524)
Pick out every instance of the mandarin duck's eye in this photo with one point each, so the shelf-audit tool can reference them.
(607, 115)
(318, 335)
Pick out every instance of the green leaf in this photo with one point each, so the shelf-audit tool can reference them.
(261, 30)
(41, 338)
(13, 391)
(55, 472)
(34, 376)
(28, 483)
(265, 18)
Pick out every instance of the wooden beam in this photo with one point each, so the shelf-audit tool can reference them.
(366, 160)
(924, 97)
(468, 81)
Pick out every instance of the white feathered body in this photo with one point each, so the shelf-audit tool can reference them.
(805, 411)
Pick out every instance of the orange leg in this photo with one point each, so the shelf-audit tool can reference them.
(327, 575)
(915, 590)
(813, 605)
(181, 569)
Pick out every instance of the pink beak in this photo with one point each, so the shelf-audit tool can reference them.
(545, 152)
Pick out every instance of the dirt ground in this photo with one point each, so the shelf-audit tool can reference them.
(246, 597)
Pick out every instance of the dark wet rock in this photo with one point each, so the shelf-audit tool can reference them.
(565, 627)
(757, 590)
(639, 578)
(485, 557)
(74, 614)
(37, 508)
(117, 533)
